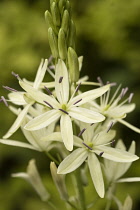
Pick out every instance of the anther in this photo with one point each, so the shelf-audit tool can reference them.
(77, 101)
(62, 110)
(48, 91)
(81, 132)
(77, 88)
(4, 100)
(10, 89)
(48, 104)
(60, 79)
(112, 143)
(101, 154)
(91, 124)
(130, 97)
(87, 146)
(100, 81)
(113, 84)
(16, 75)
(110, 126)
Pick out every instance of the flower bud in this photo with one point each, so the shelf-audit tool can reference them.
(68, 7)
(61, 5)
(62, 46)
(65, 21)
(48, 18)
(73, 65)
(53, 42)
(59, 181)
(72, 35)
(55, 14)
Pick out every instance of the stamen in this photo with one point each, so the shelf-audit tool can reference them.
(81, 132)
(77, 88)
(101, 154)
(113, 84)
(77, 101)
(52, 67)
(112, 143)
(60, 79)
(48, 104)
(4, 100)
(16, 75)
(63, 111)
(10, 89)
(110, 126)
(125, 90)
(87, 146)
(130, 97)
(91, 124)
(48, 91)
(100, 81)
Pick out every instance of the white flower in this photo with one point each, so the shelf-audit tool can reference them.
(63, 107)
(91, 146)
(114, 109)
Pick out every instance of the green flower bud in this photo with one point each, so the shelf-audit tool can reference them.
(73, 65)
(62, 46)
(72, 35)
(65, 21)
(51, 1)
(53, 43)
(55, 14)
(48, 18)
(68, 7)
(61, 5)
(59, 181)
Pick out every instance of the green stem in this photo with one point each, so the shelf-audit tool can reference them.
(80, 190)
(108, 205)
(52, 158)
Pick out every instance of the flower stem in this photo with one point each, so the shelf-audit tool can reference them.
(52, 158)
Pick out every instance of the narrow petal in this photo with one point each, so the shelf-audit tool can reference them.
(104, 137)
(43, 120)
(56, 136)
(89, 95)
(96, 174)
(17, 98)
(67, 131)
(17, 122)
(38, 95)
(72, 161)
(132, 127)
(18, 144)
(40, 73)
(85, 115)
(114, 154)
(62, 88)
(131, 179)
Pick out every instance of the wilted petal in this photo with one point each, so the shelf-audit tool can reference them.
(86, 115)
(61, 88)
(114, 154)
(67, 131)
(72, 161)
(17, 122)
(89, 95)
(43, 120)
(96, 174)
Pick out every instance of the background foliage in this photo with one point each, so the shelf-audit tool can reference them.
(108, 35)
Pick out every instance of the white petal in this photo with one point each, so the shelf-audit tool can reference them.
(18, 144)
(61, 88)
(129, 125)
(85, 115)
(67, 131)
(115, 154)
(17, 98)
(40, 73)
(43, 120)
(56, 136)
(96, 174)
(38, 95)
(72, 161)
(17, 122)
(131, 179)
(103, 137)
(128, 203)
(89, 95)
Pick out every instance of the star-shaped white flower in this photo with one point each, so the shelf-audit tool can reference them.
(63, 107)
(89, 148)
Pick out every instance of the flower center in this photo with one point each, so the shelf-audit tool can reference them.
(64, 107)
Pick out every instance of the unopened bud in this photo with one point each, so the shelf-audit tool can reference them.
(62, 46)
(72, 35)
(48, 18)
(59, 181)
(61, 5)
(53, 43)
(73, 65)
(55, 14)
(65, 21)
(68, 7)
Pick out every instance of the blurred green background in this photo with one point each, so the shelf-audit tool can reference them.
(108, 36)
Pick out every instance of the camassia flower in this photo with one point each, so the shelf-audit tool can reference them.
(115, 108)
(89, 149)
(64, 108)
